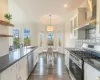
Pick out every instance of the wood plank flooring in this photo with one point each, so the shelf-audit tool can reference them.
(45, 70)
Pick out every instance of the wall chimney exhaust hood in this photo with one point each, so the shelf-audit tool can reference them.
(91, 21)
(92, 6)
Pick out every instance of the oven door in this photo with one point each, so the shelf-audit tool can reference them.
(75, 70)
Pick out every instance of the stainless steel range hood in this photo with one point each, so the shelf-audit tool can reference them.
(91, 21)
(92, 6)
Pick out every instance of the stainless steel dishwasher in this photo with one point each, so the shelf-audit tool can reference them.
(30, 62)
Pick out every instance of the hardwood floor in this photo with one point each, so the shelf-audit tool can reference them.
(46, 70)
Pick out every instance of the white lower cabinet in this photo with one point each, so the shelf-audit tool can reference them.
(90, 73)
(35, 56)
(17, 71)
(22, 69)
(66, 52)
(9, 73)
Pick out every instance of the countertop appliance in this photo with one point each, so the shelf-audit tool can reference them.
(76, 61)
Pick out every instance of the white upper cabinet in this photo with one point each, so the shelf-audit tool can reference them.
(77, 21)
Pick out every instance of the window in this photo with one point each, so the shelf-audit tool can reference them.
(16, 38)
(59, 38)
(41, 39)
(50, 37)
(27, 40)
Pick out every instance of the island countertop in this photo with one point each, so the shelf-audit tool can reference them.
(14, 56)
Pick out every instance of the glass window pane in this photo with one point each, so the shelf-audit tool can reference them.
(41, 39)
(16, 38)
(59, 35)
(50, 37)
(27, 40)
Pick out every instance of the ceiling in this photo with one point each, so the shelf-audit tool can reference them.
(40, 9)
(55, 19)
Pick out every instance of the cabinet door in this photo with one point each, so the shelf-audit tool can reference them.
(35, 57)
(75, 22)
(72, 25)
(90, 73)
(23, 68)
(67, 58)
(9, 74)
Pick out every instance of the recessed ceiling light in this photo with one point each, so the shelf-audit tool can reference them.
(65, 5)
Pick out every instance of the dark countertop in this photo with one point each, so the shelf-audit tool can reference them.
(94, 63)
(71, 49)
(14, 56)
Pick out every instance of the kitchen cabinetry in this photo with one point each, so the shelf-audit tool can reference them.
(82, 16)
(66, 52)
(17, 71)
(73, 26)
(77, 21)
(90, 73)
(9, 74)
(35, 56)
(22, 69)
(30, 62)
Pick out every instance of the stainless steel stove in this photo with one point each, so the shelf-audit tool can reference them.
(76, 61)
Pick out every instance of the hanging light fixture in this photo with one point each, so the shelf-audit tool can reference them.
(50, 28)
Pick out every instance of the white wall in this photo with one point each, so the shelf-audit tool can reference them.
(3, 8)
(4, 41)
(21, 20)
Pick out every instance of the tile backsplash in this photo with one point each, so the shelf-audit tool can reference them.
(79, 43)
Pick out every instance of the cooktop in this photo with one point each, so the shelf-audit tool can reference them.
(84, 54)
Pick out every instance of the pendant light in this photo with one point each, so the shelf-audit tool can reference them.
(50, 28)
